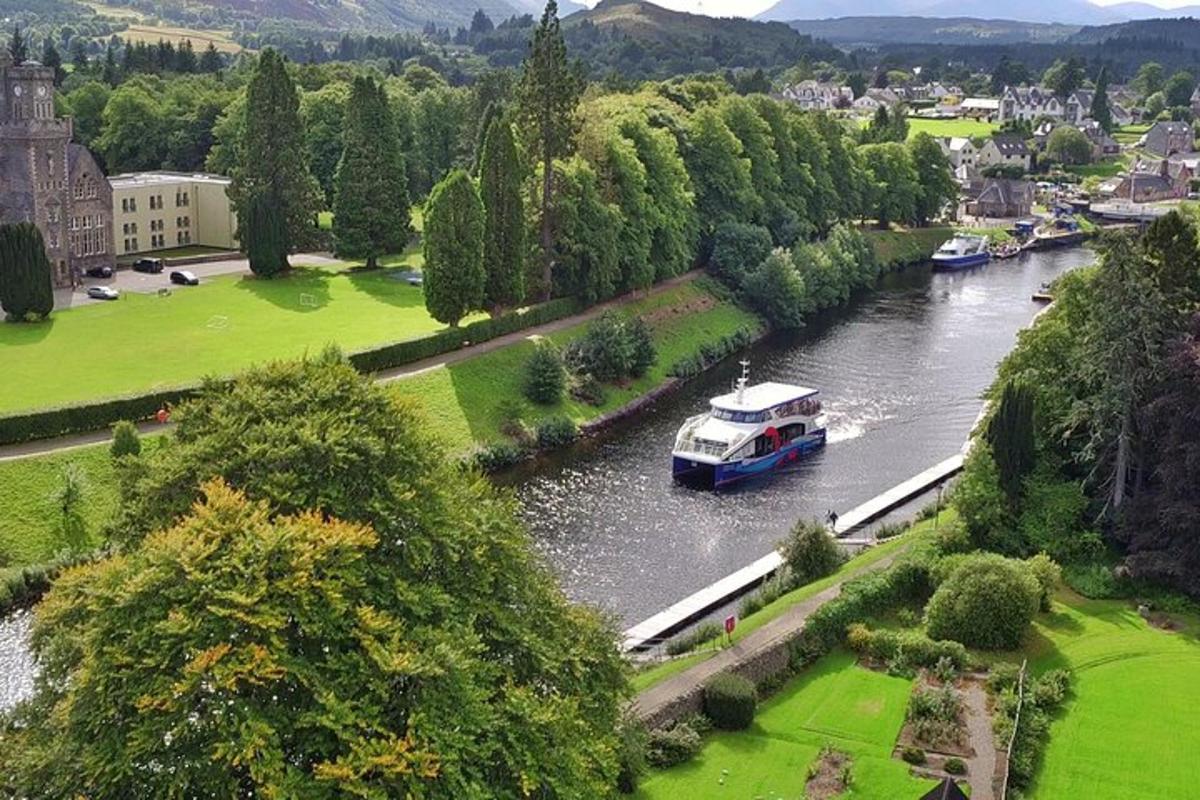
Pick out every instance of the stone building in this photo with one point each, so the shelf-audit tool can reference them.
(48, 180)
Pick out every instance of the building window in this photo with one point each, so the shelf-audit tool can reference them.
(181, 198)
(78, 192)
(87, 222)
(52, 214)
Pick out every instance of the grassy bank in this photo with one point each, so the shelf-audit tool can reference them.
(899, 247)
(857, 711)
(649, 677)
(472, 399)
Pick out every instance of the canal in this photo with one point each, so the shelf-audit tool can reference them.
(901, 371)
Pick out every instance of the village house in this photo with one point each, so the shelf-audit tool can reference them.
(959, 150)
(1002, 198)
(1030, 102)
(1167, 138)
(1006, 150)
(812, 95)
(1103, 145)
(1162, 179)
(46, 178)
(874, 98)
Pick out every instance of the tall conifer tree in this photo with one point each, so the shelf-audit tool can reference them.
(1100, 110)
(25, 281)
(504, 220)
(546, 102)
(453, 239)
(272, 165)
(370, 207)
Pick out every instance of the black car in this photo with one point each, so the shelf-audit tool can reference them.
(184, 278)
(99, 272)
(151, 265)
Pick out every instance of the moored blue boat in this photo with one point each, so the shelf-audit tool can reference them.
(964, 250)
(750, 431)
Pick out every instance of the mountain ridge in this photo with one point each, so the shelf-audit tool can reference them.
(1064, 12)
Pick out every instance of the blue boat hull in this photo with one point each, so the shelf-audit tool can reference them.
(721, 475)
(962, 262)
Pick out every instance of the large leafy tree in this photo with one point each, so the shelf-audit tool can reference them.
(370, 208)
(1178, 89)
(1068, 145)
(453, 240)
(895, 185)
(1064, 77)
(324, 116)
(369, 620)
(1150, 78)
(504, 217)
(721, 174)
(587, 247)
(937, 186)
(272, 166)
(758, 145)
(547, 98)
(797, 184)
(26, 289)
(135, 129)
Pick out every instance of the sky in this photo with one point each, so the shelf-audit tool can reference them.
(748, 8)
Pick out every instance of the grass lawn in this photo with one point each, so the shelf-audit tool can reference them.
(951, 127)
(1102, 169)
(653, 675)
(29, 531)
(200, 39)
(835, 701)
(142, 341)
(1129, 731)
(906, 246)
(471, 399)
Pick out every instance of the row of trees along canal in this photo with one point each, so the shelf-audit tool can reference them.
(627, 188)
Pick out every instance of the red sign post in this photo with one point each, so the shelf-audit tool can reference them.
(730, 624)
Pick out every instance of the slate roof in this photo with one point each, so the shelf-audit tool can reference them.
(1010, 145)
(946, 790)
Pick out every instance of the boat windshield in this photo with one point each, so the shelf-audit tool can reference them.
(738, 416)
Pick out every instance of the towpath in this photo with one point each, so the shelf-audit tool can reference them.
(12, 452)
(650, 702)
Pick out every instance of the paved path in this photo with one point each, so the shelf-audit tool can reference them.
(11, 452)
(650, 701)
(981, 767)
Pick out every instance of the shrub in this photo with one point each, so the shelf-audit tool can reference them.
(737, 249)
(955, 766)
(710, 353)
(675, 745)
(632, 744)
(556, 432)
(126, 441)
(1003, 677)
(586, 389)
(908, 618)
(689, 641)
(987, 602)
(771, 590)
(776, 290)
(545, 374)
(605, 351)
(810, 552)
(941, 704)
(913, 755)
(982, 503)
(1092, 580)
(642, 342)
(498, 456)
(945, 670)
(729, 701)
(1048, 575)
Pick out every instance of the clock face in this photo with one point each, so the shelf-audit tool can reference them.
(17, 91)
(41, 91)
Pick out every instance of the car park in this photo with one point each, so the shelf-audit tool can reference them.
(150, 265)
(184, 278)
(102, 293)
(99, 272)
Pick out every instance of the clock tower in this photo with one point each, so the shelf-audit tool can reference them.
(47, 179)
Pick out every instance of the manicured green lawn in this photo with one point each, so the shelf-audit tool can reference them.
(951, 127)
(143, 341)
(906, 246)
(469, 400)
(29, 519)
(835, 701)
(1130, 731)
(1101, 169)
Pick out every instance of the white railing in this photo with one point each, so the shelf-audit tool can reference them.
(700, 447)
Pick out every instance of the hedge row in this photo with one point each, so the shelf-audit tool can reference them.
(24, 586)
(51, 422)
(710, 353)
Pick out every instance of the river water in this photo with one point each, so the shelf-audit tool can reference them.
(901, 371)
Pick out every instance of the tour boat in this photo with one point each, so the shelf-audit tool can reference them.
(964, 250)
(750, 431)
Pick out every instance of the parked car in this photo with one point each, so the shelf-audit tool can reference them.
(102, 293)
(415, 280)
(99, 272)
(151, 265)
(184, 278)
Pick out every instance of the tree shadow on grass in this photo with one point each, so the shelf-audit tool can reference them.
(387, 286)
(19, 334)
(301, 289)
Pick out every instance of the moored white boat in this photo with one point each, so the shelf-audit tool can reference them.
(750, 431)
(964, 250)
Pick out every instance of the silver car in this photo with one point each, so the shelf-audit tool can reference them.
(102, 293)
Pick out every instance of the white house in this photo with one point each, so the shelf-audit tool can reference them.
(874, 98)
(1005, 151)
(959, 150)
(818, 96)
(1031, 102)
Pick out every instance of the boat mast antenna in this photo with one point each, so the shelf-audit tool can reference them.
(741, 384)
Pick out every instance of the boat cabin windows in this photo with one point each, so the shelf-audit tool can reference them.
(802, 407)
(738, 416)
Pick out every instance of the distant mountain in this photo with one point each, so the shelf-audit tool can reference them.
(646, 21)
(1149, 33)
(388, 14)
(1068, 12)
(871, 31)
